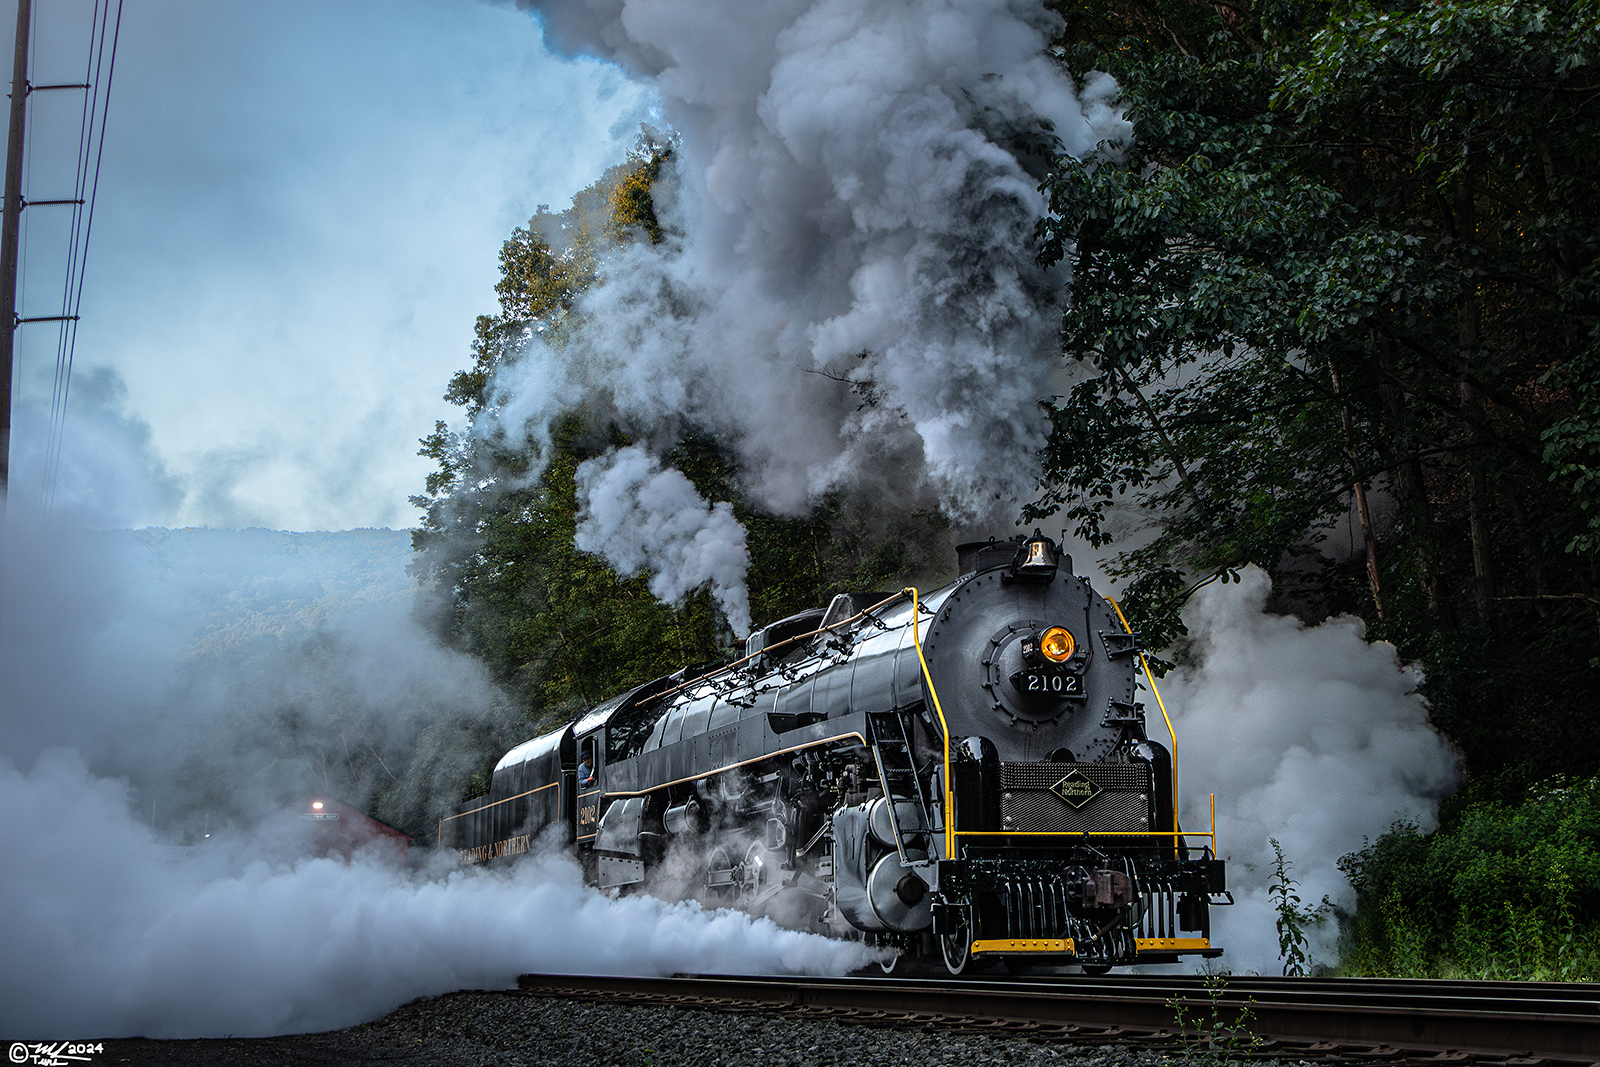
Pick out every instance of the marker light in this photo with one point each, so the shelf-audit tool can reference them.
(1057, 645)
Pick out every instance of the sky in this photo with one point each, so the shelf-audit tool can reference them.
(300, 211)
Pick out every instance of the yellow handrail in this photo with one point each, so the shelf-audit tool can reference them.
(1162, 704)
(949, 791)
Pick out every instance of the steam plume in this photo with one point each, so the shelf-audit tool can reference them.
(106, 935)
(639, 517)
(848, 296)
(159, 684)
(1306, 734)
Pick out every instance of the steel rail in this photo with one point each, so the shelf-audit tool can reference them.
(1351, 1018)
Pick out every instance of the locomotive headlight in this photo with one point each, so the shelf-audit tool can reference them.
(1057, 645)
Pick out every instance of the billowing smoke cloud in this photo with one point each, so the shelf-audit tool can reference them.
(109, 934)
(848, 296)
(639, 517)
(1309, 735)
(105, 470)
(163, 684)
(224, 672)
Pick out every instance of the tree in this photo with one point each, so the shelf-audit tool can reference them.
(1350, 246)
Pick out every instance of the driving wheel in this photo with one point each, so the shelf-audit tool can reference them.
(956, 946)
(900, 962)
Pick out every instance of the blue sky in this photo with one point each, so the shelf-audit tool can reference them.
(299, 217)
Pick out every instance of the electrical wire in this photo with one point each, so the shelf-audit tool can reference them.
(91, 151)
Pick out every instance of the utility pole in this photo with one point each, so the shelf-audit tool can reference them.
(8, 240)
(9, 232)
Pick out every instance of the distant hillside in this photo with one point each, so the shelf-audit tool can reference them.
(222, 673)
(242, 585)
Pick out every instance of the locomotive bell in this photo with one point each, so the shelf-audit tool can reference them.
(1037, 559)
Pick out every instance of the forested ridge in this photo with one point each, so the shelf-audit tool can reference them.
(1354, 245)
(1334, 314)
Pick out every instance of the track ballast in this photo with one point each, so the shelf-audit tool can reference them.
(1519, 1024)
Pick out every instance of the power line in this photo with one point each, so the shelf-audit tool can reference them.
(91, 150)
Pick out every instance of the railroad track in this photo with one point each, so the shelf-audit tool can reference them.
(1516, 1024)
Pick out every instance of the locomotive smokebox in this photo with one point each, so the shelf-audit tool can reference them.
(1024, 653)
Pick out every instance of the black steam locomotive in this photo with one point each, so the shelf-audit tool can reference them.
(961, 775)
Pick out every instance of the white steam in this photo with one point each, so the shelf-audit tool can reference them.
(639, 517)
(848, 296)
(162, 684)
(106, 466)
(107, 935)
(1309, 735)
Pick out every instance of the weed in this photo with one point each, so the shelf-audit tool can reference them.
(1293, 917)
(1408, 940)
(1216, 1033)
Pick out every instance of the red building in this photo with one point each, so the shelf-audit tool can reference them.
(334, 828)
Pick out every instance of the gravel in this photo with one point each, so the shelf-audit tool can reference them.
(471, 1029)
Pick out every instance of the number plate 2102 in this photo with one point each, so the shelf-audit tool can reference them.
(1047, 683)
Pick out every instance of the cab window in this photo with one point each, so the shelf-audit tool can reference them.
(588, 763)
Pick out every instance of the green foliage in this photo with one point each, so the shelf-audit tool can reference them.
(1508, 887)
(1293, 918)
(1217, 1032)
(1350, 244)
(1572, 449)
(557, 624)
(1359, 243)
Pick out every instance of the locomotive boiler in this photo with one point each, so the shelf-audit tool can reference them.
(962, 775)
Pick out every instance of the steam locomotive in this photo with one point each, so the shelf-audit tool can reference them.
(961, 776)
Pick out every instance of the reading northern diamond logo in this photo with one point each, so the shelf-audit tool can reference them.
(1075, 789)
